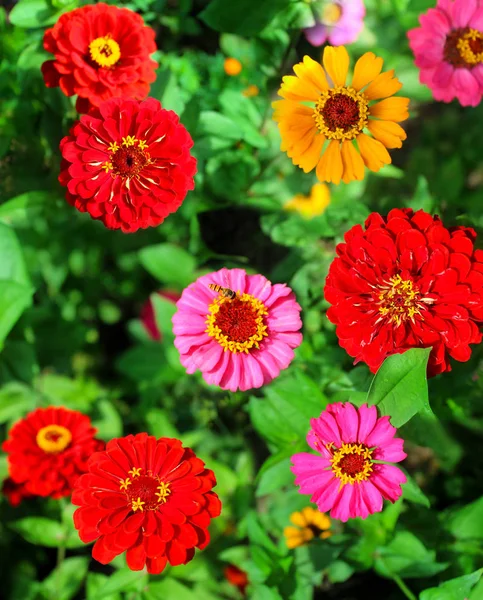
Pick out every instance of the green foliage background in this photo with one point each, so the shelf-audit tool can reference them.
(71, 293)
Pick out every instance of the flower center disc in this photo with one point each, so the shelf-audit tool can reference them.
(464, 48)
(145, 492)
(331, 14)
(105, 51)
(53, 438)
(352, 463)
(237, 324)
(128, 159)
(341, 113)
(399, 300)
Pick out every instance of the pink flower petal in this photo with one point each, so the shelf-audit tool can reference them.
(372, 496)
(327, 429)
(382, 433)
(388, 480)
(316, 35)
(347, 419)
(327, 495)
(391, 452)
(367, 420)
(343, 507)
(462, 12)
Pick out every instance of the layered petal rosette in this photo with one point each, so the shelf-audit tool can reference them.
(335, 127)
(448, 49)
(343, 476)
(239, 330)
(101, 52)
(47, 451)
(406, 281)
(150, 498)
(128, 164)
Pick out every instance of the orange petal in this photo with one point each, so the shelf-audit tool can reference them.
(309, 159)
(302, 90)
(301, 145)
(330, 165)
(373, 152)
(384, 85)
(388, 133)
(366, 70)
(353, 163)
(294, 142)
(336, 63)
(391, 109)
(312, 71)
(288, 107)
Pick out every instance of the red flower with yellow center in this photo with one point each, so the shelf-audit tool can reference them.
(403, 282)
(128, 164)
(148, 497)
(47, 452)
(101, 52)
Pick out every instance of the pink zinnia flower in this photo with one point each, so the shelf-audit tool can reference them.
(344, 476)
(239, 330)
(339, 21)
(448, 48)
(148, 318)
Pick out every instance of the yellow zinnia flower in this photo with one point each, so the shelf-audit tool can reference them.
(312, 205)
(309, 523)
(323, 121)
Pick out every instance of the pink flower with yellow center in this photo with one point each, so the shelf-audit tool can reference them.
(337, 21)
(239, 330)
(347, 476)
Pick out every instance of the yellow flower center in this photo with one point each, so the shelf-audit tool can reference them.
(351, 463)
(105, 51)
(400, 300)
(341, 113)
(470, 46)
(331, 14)
(237, 324)
(144, 492)
(53, 438)
(128, 158)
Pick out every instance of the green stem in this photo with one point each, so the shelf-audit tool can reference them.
(404, 588)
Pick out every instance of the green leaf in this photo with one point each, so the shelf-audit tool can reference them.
(339, 571)
(168, 263)
(245, 17)
(467, 522)
(36, 13)
(275, 477)
(64, 582)
(217, 125)
(164, 310)
(40, 531)
(21, 209)
(95, 581)
(109, 424)
(413, 493)
(406, 556)
(16, 400)
(123, 580)
(454, 589)
(169, 588)
(400, 388)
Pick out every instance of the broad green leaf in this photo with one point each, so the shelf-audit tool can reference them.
(467, 522)
(14, 299)
(95, 582)
(123, 580)
(400, 388)
(160, 424)
(164, 311)
(16, 400)
(109, 424)
(413, 493)
(454, 589)
(168, 588)
(168, 263)
(262, 592)
(339, 571)
(245, 17)
(20, 210)
(406, 556)
(64, 582)
(45, 532)
(215, 124)
(275, 477)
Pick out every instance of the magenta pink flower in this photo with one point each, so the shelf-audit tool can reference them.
(239, 330)
(344, 476)
(338, 21)
(148, 318)
(448, 48)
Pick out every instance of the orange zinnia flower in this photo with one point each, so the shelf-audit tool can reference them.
(325, 123)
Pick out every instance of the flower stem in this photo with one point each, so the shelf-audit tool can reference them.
(404, 588)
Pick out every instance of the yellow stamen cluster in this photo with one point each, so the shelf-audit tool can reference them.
(340, 133)
(138, 505)
(129, 141)
(214, 331)
(464, 46)
(351, 450)
(163, 491)
(105, 51)
(53, 438)
(135, 471)
(400, 300)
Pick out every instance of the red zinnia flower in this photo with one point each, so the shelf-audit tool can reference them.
(236, 577)
(148, 317)
(406, 281)
(48, 450)
(128, 164)
(14, 492)
(149, 498)
(101, 52)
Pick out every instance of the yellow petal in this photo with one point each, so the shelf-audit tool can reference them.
(325, 534)
(285, 108)
(313, 72)
(384, 85)
(353, 168)
(322, 521)
(366, 70)
(309, 159)
(330, 166)
(297, 518)
(320, 195)
(294, 88)
(391, 109)
(388, 133)
(301, 146)
(336, 63)
(373, 152)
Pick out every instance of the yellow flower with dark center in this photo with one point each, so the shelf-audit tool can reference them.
(336, 128)
(312, 205)
(310, 524)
